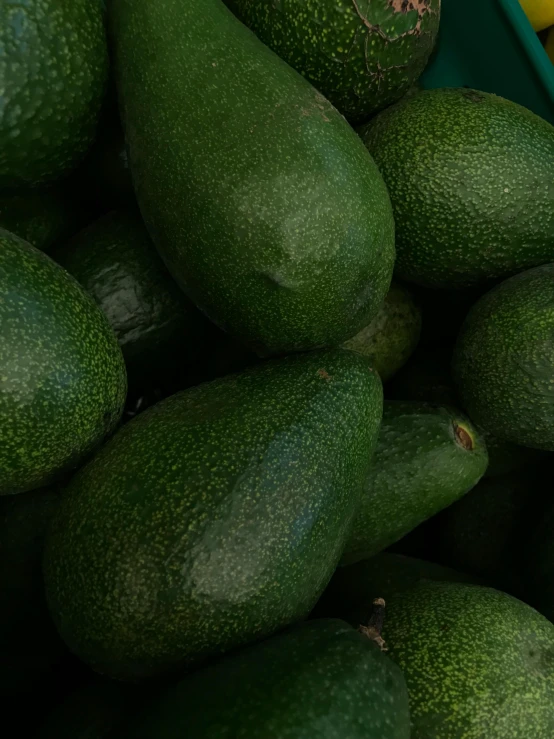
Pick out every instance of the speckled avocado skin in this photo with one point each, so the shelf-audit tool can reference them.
(318, 680)
(503, 362)
(62, 375)
(260, 198)
(41, 218)
(478, 663)
(117, 264)
(420, 466)
(470, 178)
(362, 55)
(392, 336)
(215, 517)
(54, 67)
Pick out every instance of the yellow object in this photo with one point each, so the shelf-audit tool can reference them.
(550, 44)
(539, 12)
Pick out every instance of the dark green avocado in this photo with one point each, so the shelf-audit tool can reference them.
(470, 178)
(214, 518)
(62, 374)
(362, 55)
(54, 76)
(503, 363)
(317, 680)
(41, 218)
(478, 663)
(262, 201)
(391, 338)
(157, 327)
(426, 458)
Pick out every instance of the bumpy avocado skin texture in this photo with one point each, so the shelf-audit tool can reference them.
(391, 338)
(115, 261)
(362, 55)
(470, 178)
(29, 642)
(426, 458)
(215, 517)
(281, 688)
(62, 374)
(41, 218)
(55, 69)
(503, 362)
(477, 662)
(259, 197)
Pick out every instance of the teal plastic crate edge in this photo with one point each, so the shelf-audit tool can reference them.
(531, 43)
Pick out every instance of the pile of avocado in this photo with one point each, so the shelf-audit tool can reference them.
(276, 378)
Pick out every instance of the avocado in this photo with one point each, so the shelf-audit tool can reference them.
(55, 71)
(99, 709)
(41, 218)
(361, 55)
(503, 363)
(262, 201)
(29, 643)
(320, 678)
(470, 178)
(352, 589)
(214, 518)
(426, 458)
(489, 531)
(427, 377)
(477, 662)
(62, 374)
(391, 338)
(158, 329)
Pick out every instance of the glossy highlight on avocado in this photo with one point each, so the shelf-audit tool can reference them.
(214, 518)
(260, 198)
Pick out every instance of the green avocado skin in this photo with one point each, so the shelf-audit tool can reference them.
(391, 338)
(117, 264)
(362, 55)
(503, 363)
(262, 201)
(55, 69)
(62, 374)
(478, 663)
(317, 680)
(420, 466)
(470, 178)
(41, 218)
(214, 518)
